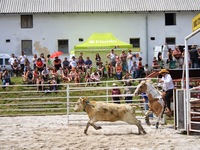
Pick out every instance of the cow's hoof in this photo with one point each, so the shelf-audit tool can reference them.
(85, 132)
(98, 128)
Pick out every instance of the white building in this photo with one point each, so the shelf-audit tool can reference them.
(37, 26)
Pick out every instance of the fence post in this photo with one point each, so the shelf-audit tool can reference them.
(107, 92)
(67, 92)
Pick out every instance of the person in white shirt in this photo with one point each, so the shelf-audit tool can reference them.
(22, 60)
(12, 59)
(168, 87)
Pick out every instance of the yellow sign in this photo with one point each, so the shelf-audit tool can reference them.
(196, 22)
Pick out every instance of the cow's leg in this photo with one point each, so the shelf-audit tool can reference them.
(91, 123)
(137, 123)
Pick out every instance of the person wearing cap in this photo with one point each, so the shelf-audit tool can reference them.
(168, 87)
(116, 91)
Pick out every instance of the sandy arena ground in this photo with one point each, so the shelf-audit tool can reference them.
(53, 133)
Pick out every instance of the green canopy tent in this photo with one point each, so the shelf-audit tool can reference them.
(101, 43)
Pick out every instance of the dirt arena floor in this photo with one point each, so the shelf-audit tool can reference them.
(54, 133)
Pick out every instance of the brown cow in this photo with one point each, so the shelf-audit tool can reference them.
(100, 111)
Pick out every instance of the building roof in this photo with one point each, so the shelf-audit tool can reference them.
(81, 6)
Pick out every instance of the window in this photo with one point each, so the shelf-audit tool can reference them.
(170, 41)
(63, 46)
(26, 21)
(170, 19)
(27, 47)
(135, 42)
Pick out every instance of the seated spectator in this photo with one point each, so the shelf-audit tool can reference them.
(5, 78)
(73, 63)
(53, 83)
(45, 74)
(26, 64)
(118, 71)
(116, 91)
(15, 67)
(87, 79)
(36, 73)
(66, 64)
(40, 83)
(57, 63)
(178, 57)
(133, 70)
(95, 77)
(100, 69)
(88, 64)
(65, 74)
(155, 64)
(34, 60)
(127, 76)
(74, 76)
(28, 76)
(39, 65)
(81, 64)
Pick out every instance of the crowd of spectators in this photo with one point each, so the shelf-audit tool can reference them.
(128, 65)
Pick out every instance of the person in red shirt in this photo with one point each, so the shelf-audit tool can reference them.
(119, 71)
(39, 65)
(140, 69)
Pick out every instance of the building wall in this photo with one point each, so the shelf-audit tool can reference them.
(48, 28)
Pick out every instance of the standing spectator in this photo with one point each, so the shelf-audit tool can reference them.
(49, 63)
(43, 59)
(147, 70)
(5, 78)
(169, 56)
(133, 70)
(160, 60)
(118, 71)
(140, 69)
(21, 59)
(65, 64)
(112, 57)
(155, 64)
(168, 87)
(97, 59)
(39, 65)
(123, 57)
(194, 57)
(198, 50)
(34, 60)
(88, 64)
(128, 90)
(117, 92)
(177, 56)
(12, 60)
(57, 63)
(129, 60)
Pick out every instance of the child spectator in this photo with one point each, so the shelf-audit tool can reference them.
(95, 77)
(100, 69)
(133, 70)
(40, 83)
(87, 79)
(119, 71)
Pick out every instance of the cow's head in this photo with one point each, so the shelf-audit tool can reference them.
(80, 104)
(141, 88)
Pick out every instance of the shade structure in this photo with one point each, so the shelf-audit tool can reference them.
(102, 41)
